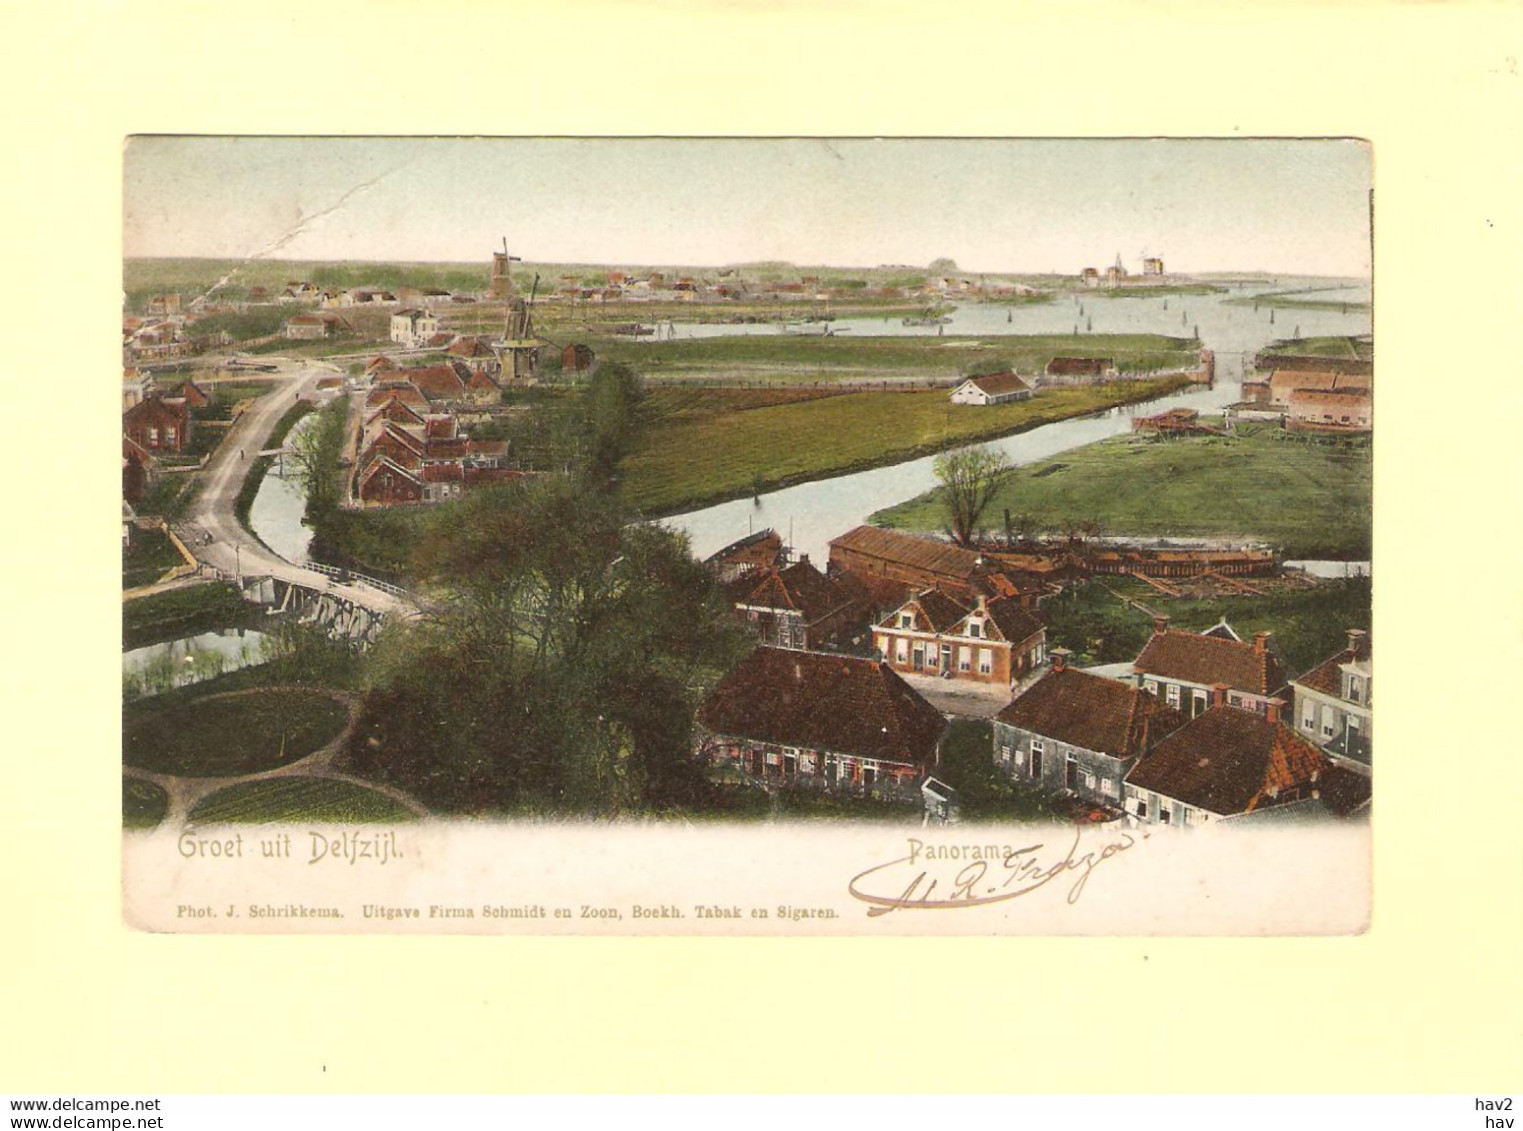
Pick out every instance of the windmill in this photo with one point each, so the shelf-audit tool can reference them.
(518, 351)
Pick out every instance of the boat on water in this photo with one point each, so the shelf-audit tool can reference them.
(928, 320)
(812, 329)
(632, 330)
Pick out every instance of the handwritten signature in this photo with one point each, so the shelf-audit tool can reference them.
(1014, 873)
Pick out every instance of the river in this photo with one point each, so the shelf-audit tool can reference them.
(276, 513)
(191, 659)
(811, 514)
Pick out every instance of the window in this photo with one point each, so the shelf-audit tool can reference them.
(1086, 779)
(985, 661)
(1171, 693)
(906, 620)
(1308, 716)
(1163, 811)
(1004, 754)
(903, 652)
(1329, 722)
(974, 629)
(1108, 787)
(1150, 686)
(1235, 699)
(1198, 701)
(1038, 748)
(153, 435)
(1353, 689)
(964, 659)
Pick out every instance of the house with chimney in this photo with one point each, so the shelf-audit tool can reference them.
(993, 388)
(1330, 705)
(841, 724)
(994, 642)
(795, 606)
(1081, 733)
(1184, 668)
(158, 425)
(1232, 764)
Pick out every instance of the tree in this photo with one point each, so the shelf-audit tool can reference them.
(969, 478)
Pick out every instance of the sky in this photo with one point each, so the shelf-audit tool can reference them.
(1285, 206)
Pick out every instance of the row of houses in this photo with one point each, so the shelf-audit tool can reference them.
(410, 445)
(1200, 727)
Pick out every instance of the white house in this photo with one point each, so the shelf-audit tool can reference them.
(413, 327)
(995, 388)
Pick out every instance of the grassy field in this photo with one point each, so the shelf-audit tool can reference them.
(236, 735)
(1291, 300)
(1310, 498)
(290, 799)
(1340, 347)
(148, 558)
(786, 358)
(1150, 292)
(1308, 624)
(143, 804)
(688, 456)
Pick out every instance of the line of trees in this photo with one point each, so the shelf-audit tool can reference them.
(564, 649)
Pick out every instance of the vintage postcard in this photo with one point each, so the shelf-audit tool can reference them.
(724, 536)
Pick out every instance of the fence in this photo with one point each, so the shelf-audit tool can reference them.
(346, 575)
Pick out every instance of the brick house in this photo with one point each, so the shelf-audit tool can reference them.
(919, 562)
(1285, 383)
(439, 383)
(1183, 669)
(315, 327)
(1329, 410)
(1074, 731)
(397, 388)
(994, 388)
(838, 723)
(1083, 367)
(576, 357)
(138, 466)
(1331, 704)
(158, 425)
(996, 642)
(794, 606)
(1228, 764)
(386, 483)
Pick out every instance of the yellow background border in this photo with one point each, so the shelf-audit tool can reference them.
(1428, 1000)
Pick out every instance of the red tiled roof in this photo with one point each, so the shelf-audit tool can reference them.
(443, 473)
(843, 704)
(480, 379)
(487, 448)
(405, 392)
(1329, 396)
(470, 347)
(1209, 660)
(799, 586)
(440, 427)
(872, 590)
(437, 382)
(906, 549)
(1327, 677)
(1228, 761)
(1016, 622)
(1092, 712)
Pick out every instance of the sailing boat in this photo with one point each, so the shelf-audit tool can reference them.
(1089, 324)
(1010, 314)
(1271, 316)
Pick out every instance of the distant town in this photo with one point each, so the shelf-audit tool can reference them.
(460, 540)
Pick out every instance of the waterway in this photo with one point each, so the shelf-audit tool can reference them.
(278, 507)
(811, 514)
(177, 663)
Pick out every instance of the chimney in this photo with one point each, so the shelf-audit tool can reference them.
(1060, 659)
(1260, 643)
(1160, 625)
(803, 559)
(1272, 709)
(1357, 642)
(982, 604)
(1219, 695)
